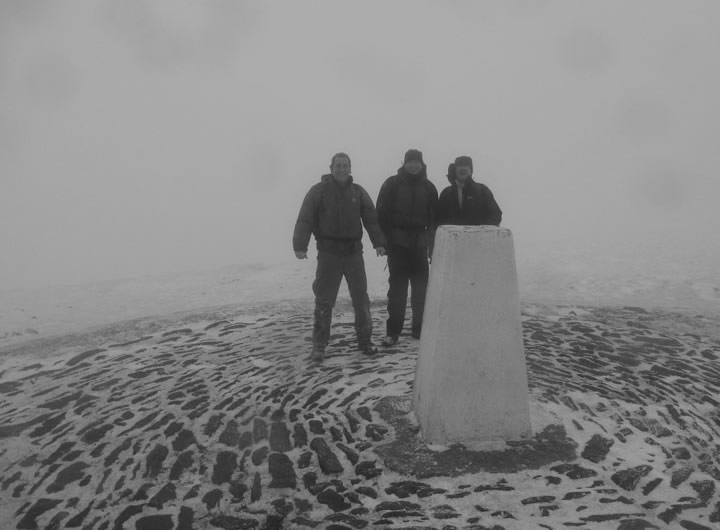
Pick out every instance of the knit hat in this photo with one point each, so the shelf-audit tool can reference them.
(413, 154)
(464, 161)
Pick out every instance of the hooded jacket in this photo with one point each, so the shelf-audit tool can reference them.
(335, 214)
(478, 206)
(406, 208)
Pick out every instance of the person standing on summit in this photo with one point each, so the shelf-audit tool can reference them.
(464, 201)
(406, 210)
(335, 210)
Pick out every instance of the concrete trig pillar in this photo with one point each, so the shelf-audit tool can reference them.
(471, 380)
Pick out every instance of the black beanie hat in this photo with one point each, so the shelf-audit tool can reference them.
(464, 161)
(413, 154)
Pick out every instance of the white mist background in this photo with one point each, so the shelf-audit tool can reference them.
(149, 138)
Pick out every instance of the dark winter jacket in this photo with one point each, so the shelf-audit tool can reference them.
(406, 208)
(478, 207)
(335, 214)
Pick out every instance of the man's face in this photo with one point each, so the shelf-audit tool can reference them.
(340, 169)
(413, 167)
(463, 173)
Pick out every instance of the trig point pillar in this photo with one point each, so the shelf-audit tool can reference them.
(471, 379)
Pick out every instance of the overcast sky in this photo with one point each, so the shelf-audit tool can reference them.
(149, 137)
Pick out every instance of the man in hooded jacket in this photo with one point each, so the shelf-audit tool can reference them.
(466, 202)
(335, 211)
(406, 210)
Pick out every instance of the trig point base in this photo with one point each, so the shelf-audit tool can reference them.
(471, 380)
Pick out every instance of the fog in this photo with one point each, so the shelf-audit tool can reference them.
(152, 137)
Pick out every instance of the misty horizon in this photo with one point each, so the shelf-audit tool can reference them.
(153, 138)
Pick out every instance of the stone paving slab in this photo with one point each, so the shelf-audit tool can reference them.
(223, 423)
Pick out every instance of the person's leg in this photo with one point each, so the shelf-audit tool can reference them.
(397, 291)
(418, 283)
(357, 285)
(326, 285)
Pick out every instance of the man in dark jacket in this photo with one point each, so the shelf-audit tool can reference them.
(466, 202)
(406, 210)
(335, 211)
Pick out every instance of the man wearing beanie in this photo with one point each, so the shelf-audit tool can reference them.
(335, 211)
(466, 202)
(406, 208)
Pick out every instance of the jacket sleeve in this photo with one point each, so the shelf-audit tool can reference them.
(432, 215)
(306, 220)
(384, 212)
(370, 219)
(494, 213)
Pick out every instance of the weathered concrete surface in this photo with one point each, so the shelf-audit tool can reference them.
(471, 380)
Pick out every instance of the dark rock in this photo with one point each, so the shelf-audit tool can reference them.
(225, 466)
(184, 440)
(396, 506)
(367, 491)
(650, 486)
(183, 462)
(259, 455)
(186, 518)
(246, 440)
(304, 460)
(281, 471)
(574, 471)
(680, 475)
(72, 473)
(154, 461)
(352, 522)
(333, 500)
(367, 470)
(299, 435)
(237, 490)
(538, 500)
(167, 493)
(230, 436)
(444, 511)
(336, 434)
(705, 489)
(628, 479)
(375, 432)
(256, 490)
(212, 498)
(77, 520)
(350, 453)
(279, 437)
(597, 448)
(259, 430)
(681, 453)
(364, 413)
(213, 425)
(154, 522)
(28, 522)
(327, 459)
(689, 525)
(316, 427)
(282, 507)
(406, 488)
(126, 514)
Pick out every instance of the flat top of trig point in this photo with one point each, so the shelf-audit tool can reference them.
(498, 231)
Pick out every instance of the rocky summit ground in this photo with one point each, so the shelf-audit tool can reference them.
(218, 420)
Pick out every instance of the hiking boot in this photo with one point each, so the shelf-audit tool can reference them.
(318, 354)
(368, 349)
(390, 340)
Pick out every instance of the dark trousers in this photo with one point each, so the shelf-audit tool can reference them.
(406, 265)
(331, 268)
